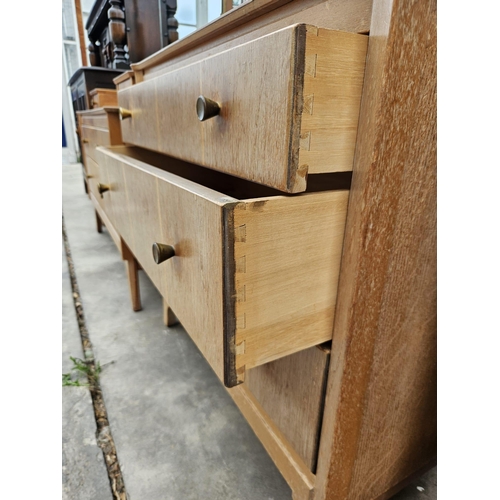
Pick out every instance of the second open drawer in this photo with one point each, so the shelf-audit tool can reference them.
(253, 275)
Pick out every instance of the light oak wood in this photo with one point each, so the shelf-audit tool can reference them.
(101, 126)
(169, 318)
(144, 220)
(94, 178)
(115, 201)
(333, 81)
(176, 95)
(380, 419)
(100, 98)
(294, 470)
(98, 127)
(132, 269)
(287, 249)
(124, 79)
(276, 142)
(236, 261)
(131, 263)
(109, 225)
(291, 390)
(142, 127)
(105, 118)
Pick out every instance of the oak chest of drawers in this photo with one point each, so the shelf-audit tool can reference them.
(101, 127)
(312, 298)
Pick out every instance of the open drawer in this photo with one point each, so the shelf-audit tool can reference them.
(251, 274)
(274, 110)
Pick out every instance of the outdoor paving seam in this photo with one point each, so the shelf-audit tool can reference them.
(104, 436)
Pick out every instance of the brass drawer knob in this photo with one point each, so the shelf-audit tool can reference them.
(125, 113)
(162, 252)
(85, 141)
(206, 108)
(102, 188)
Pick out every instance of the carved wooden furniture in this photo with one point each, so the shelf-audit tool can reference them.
(86, 79)
(324, 334)
(126, 31)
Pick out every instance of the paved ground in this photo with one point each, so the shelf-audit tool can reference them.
(178, 434)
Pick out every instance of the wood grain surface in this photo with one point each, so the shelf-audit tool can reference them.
(192, 224)
(380, 419)
(291, 466)
(237, 281)
(109, 225)
(272, 133)
(333, 82)
(291, 390)
(287, 257)
(103, 97)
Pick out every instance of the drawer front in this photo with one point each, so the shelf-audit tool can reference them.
(292, 390)
(251, 280)
(96, 120)
(289, 105)
(95, 177)
(93, 137)
(143, 227)
(98, 137)
(115, 202)
(141, 128)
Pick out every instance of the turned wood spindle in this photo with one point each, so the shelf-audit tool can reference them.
(171, 34)
(116, 16)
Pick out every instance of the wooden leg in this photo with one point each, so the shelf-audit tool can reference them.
(133, 282)
(99, 222)
(169, 317)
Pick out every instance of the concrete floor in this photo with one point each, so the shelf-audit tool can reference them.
(178, 434)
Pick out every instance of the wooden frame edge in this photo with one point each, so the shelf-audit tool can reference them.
(293, 469)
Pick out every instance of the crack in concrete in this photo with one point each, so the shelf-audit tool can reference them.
(103, 432)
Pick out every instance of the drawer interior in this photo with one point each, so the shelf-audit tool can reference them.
(229, 185)
(291, 390)
(254, 273)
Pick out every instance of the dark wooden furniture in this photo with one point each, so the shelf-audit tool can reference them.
(86, 79)
(122, 32)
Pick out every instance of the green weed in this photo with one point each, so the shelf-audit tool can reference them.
(81, 368)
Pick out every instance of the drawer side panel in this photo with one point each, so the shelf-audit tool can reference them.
(287, 258)
(333, 83)
(291, 390)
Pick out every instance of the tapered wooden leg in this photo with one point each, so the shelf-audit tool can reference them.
(169, 317)
(133, 282)
(99, 222)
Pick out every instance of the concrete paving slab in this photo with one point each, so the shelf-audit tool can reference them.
(423, 488)
(84, 475)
